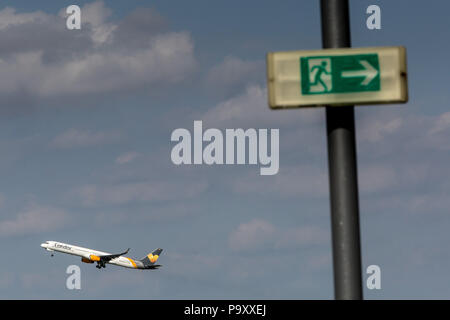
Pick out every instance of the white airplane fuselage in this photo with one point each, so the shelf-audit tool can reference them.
(91, 256)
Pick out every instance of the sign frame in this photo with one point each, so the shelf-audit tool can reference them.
(380, 80)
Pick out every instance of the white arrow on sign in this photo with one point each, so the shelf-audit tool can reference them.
(368, 72)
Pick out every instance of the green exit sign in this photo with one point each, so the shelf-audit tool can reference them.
(334, 77)
(339, 74)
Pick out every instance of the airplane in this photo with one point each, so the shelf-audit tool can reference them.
(102, 258)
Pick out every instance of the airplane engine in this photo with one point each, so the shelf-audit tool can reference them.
(94, 257)
(85, 260)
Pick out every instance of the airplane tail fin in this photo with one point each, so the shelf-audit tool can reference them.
(150, 259)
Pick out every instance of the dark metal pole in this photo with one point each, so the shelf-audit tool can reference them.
(342, 166)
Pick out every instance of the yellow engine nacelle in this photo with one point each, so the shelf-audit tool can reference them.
(85, 260)
(93, 257)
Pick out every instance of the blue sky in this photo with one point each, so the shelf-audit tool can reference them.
(85, 128)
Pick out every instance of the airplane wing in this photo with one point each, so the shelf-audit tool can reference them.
(109, 257)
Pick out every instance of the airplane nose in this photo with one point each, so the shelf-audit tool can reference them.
(44, 245)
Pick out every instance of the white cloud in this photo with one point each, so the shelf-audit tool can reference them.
(438, 132)
(193, 263)
(49, 61)
(261, 234)
(123, 193)
(251, 109)
(35, 219)
(377, 129)
(168, 212)
(127, 157)
(389, 177)
(234, 73)
(167, 59)
(256, 233)
(412, 203)
(441, 123)
(377, 178)
(403, 161)
(97, 14)
(301, 180)
(9, 18)
(396, 131)
(33, 280)
(114, 278)
(78, 138)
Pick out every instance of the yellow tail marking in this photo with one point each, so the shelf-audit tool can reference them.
(152, 257)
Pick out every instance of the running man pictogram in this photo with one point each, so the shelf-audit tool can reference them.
(321, 69)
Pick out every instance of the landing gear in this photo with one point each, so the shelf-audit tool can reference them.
(100, 264)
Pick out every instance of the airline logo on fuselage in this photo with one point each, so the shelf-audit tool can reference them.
(62, 246)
